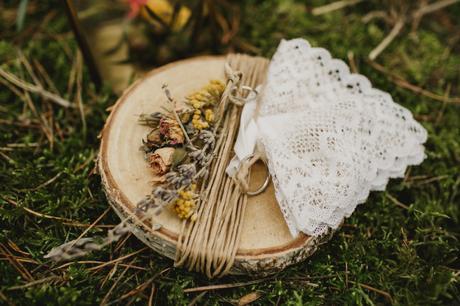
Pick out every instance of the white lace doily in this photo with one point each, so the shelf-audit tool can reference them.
(329, 137)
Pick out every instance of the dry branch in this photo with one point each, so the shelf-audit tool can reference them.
(34, 89)
(399, 81)
(333, 7)
(434, 7)
(387, 40)
(226, 286)
(401, 19)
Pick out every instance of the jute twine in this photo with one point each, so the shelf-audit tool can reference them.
(209, 244)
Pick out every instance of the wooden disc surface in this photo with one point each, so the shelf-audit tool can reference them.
(266, 245)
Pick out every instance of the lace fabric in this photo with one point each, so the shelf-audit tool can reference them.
(329, 137)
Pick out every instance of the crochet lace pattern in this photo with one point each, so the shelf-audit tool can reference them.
(329, 137)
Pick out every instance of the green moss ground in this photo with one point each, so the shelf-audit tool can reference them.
(386, 253)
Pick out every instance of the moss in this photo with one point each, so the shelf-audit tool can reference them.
(409, 254)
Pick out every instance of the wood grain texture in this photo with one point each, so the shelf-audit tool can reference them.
(266, 245)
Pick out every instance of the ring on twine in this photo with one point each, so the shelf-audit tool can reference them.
(248, 162)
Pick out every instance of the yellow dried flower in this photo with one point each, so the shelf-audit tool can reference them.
(209, 115)
(164, 9)
(208, 95)
(197, 122)
(185, 205)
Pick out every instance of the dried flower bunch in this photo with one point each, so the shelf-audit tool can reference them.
(179, 149)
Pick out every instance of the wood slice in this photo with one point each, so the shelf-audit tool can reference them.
(266, 244)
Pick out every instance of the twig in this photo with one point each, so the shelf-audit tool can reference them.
(16, 248)
(28, 101)
(405, 84)
(375, 14)
(133, 292)
(21, 259)
(104, 300)
(443, 107)
(387, 40)
(79, 76)
(37, 282)
(121, 243)
(37, 213)
(384, 293)
(39, 67)
(351, 60)
(51, 180)
(433, 7)
(117, 260)
(415, 18)
(152, 292)
(6, 299)
(394, 200)
(333, 6)
(225, 286)
(141, 287)
(34, 88)
(98, 262)
(197, 298)
(173, 102)
(432, 179)
(27, 125)
(8, 159)
(23, 145)
(16, 264)
(91, 226)
(346, 274)
(29, 69)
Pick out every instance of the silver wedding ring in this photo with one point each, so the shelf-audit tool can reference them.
(267, 179)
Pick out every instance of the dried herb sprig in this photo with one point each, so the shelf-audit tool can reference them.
(178, 188)
(83, 246)
(174, 111)
(151, 120)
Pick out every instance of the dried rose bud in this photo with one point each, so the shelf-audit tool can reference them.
(154, 136)
(171, 129)
(161, 160)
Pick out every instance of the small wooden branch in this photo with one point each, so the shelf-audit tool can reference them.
(16, 264)
(106, 297)
(108, 263)
(352, 62)
(399, 81)
(34, 88)
(176, 116)
(92, 225)
(434, 7)
(333, 7)
(414, 18)
(387, 40)
(226, 286)
(427, 9)
(48, 279)
(381, 292)
(396, 201)
(375, 14)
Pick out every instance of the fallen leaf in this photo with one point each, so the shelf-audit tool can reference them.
(249, 298)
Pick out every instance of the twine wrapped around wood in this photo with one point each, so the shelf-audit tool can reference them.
(210, 244)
